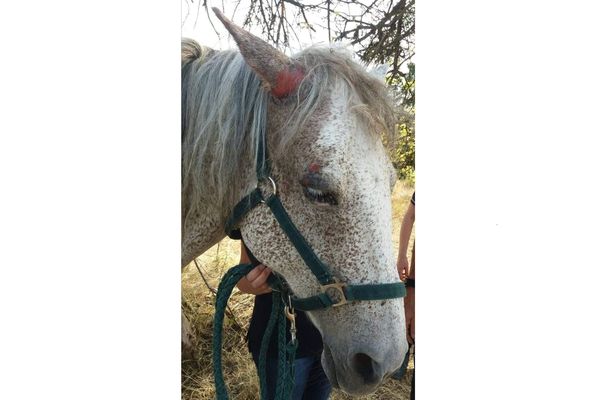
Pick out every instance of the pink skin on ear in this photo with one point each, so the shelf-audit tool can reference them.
(287, 81)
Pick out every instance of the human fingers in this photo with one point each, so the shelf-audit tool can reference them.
(402, 267)
(264, 289)
(255, 272)
(403, 275)
(262, 277)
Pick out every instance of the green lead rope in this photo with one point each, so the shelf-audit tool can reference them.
(286, 352)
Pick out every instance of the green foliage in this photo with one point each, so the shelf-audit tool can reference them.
(408, 174)
(403, 157)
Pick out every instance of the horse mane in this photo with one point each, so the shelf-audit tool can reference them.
(224, 114)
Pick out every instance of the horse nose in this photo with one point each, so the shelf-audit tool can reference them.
(367, 368)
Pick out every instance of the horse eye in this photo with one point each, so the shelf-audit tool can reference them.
(319, 196)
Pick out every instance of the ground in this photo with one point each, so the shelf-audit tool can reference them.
(200, 279)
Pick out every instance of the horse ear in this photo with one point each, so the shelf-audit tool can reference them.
(279, 74)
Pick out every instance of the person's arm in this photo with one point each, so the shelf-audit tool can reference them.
(406, 273)
(255, 282)
(411, 273)
(405, 230)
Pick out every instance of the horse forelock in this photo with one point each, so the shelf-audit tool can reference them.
(224, 114)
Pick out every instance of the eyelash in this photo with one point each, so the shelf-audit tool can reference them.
(320, 197)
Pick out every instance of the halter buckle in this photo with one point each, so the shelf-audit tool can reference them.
(335, 291)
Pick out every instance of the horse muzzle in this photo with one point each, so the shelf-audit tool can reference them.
(360, 371)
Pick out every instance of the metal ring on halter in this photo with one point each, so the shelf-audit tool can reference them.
(273, 185)
(335, 291)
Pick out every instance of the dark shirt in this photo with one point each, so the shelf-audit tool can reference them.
(309, 338)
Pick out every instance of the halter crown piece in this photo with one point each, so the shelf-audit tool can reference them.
(333, 293)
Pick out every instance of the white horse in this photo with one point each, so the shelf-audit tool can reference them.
(323, 115)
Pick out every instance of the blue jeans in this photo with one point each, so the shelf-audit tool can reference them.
(310, 381)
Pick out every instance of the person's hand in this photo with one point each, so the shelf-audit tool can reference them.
(409, 314)
(255, 281)
(402, 265)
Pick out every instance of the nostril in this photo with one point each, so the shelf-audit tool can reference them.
(365, 367)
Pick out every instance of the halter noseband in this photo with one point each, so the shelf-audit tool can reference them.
(333, 293)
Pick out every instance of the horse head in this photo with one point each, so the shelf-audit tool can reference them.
(323, 118)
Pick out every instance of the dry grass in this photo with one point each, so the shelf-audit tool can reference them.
(241, 378)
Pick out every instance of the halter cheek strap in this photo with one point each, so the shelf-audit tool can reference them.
(333, 293)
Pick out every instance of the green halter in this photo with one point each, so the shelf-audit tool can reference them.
(333, 293)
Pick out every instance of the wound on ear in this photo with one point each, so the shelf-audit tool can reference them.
(287, 81)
